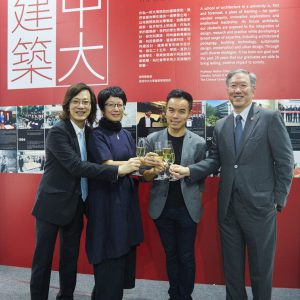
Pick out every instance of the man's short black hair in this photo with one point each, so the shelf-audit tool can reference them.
(177, 93)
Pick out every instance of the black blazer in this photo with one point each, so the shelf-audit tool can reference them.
(59, 190)
(142, 122)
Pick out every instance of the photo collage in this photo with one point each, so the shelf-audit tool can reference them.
(23, 129)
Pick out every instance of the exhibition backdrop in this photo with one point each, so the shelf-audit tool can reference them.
(148, 47)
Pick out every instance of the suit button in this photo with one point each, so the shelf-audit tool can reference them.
(235, 166)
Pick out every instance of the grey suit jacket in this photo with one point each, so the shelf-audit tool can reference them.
(193, 151)
(261, 172)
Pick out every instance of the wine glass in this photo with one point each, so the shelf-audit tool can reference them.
(169, 157)
(140, 152)
(171, 161)
(159, 151)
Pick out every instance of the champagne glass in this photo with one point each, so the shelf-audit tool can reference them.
(140, 152)
(141, 147)
(159, 151)
(169, 157)
(171, 161)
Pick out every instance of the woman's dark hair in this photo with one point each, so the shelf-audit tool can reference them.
(112, 91)
(73, 91)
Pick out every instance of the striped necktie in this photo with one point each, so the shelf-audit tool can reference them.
(238, 131)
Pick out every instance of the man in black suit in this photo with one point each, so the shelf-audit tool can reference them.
(21, 162)
(145, 123)
(60, 197)
(254, 151)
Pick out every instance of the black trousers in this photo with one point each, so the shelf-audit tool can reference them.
(177, 232)
(112, 276)
(257, 231)
(46, 234)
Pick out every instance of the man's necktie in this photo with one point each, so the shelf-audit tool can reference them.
(238, 132)
(83, 181)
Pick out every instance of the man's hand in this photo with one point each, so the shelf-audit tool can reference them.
(151, 160)
(179, 171)
(133, 164)
(157, 170)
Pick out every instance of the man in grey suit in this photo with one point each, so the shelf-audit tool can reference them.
(176, 206)
(254, 151)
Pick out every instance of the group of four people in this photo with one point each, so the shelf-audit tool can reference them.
(256, 160)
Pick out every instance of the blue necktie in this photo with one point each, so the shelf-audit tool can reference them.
(83, 181)
(238, 132)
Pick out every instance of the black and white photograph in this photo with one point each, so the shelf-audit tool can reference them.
(8, 161)
(31, 161)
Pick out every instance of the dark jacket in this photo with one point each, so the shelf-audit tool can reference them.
(59, 190)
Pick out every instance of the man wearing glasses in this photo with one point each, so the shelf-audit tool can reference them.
(62, 191)
(255, 154)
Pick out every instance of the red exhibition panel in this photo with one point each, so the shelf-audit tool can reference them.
(149, 47)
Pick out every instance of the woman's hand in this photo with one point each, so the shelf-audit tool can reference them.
(133, 164)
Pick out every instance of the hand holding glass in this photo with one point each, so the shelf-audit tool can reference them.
(169, 157)
(140, 152)
(159, 151)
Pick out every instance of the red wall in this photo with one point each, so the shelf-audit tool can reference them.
(17, 235)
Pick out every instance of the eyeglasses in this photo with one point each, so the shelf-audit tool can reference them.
(77, 102)
(242, 86)
(111, 106)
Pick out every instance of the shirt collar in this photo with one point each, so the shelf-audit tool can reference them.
(244, 113)
(77, 129)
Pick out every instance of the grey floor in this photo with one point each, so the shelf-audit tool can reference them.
(14, 285)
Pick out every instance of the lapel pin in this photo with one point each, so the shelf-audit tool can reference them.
(251, 118)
